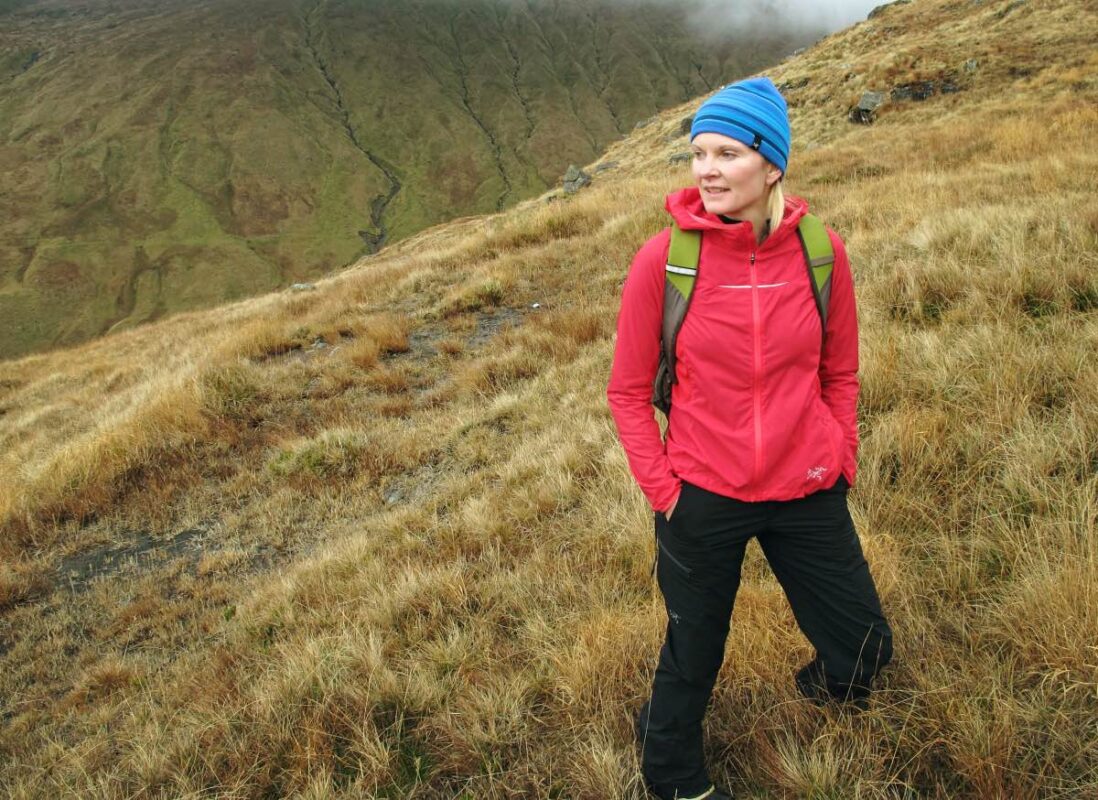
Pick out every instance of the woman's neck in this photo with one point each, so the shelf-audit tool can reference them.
(760, 225)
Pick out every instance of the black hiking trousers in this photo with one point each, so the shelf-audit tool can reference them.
(815, 554)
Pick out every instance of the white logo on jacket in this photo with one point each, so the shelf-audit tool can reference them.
(816, 473)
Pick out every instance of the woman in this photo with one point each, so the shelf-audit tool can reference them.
(762, 434)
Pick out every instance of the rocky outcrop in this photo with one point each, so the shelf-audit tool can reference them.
(791, 85)
(575, 179)
(881, 8)
(921, 90)
(866, 110)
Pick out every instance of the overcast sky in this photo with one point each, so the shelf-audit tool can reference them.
(720, 16)
(830, 14)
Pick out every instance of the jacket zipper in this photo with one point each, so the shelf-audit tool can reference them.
(755, 314)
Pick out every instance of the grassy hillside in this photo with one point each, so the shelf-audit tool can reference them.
(162, 156)
(379, 540)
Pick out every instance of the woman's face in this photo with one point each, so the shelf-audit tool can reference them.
(733, 178)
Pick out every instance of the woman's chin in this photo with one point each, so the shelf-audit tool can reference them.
(717, 206)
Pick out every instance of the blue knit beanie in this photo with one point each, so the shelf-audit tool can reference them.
(751, 111)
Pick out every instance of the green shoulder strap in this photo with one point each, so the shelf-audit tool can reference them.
(820, 258)
(681, 271)
(682, 259)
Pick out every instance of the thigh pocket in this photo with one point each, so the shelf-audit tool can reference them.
(665, 532)
(665, 553)
(667, 537)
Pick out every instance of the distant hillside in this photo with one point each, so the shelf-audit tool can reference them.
(160, 155)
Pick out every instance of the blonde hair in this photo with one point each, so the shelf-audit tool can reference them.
(776, 205)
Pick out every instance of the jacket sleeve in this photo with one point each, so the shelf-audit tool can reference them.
(839, 359)
(636, 358)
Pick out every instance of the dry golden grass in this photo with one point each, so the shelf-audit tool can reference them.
(379, 539)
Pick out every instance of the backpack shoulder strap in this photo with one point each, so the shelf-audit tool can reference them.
(819, 257)
(681, 271)
(682, 259)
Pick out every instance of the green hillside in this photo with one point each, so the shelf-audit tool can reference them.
(160, 156)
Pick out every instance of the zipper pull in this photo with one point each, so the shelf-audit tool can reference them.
(752, 257)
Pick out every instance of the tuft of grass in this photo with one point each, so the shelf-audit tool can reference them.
(389, 331)
(477, 296)
(364, 353)
(20, 582)
(580, 325)
(493, 375)
(389, 380)
(107, 677)
(451, 346)
(337, 456)
(231, 394)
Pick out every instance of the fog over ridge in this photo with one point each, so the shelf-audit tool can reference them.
(712, 18)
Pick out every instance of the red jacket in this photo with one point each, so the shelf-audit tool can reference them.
(758, 413)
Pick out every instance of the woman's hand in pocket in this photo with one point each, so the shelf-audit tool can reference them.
(669, 511)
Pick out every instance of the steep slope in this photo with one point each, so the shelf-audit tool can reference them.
(379, 539)
(162, 156)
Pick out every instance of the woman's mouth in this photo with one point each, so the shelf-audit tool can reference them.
(714, 190)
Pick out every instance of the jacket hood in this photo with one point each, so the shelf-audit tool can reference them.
(687, 209)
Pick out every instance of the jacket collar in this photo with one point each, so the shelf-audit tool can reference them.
(687, 209)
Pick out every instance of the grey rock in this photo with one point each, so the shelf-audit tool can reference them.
(788, 86)
(920, 90)
(302, 287)
(972, 65)
(679, 158)
(871, 101)
(575, 179)
(644, 123)
(865, 112)
(685, 125)
(605, 165)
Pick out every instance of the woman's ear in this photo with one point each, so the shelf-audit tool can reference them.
(773, 174)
